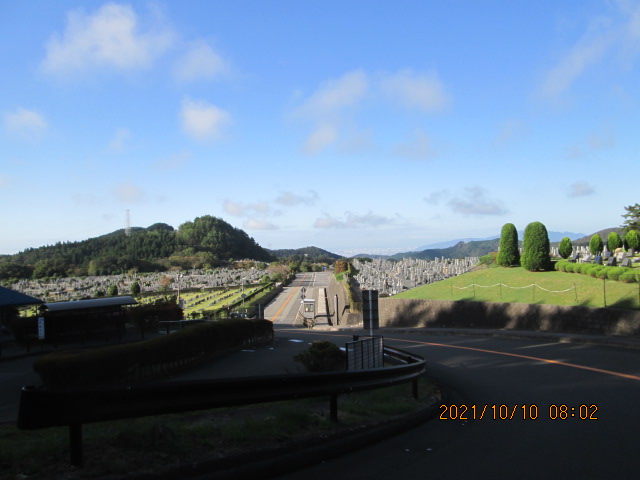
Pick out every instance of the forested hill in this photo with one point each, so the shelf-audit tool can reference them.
(309, 254)
(202, 243)
(459, 250)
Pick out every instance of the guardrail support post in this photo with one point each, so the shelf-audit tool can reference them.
(75, 444)
(414, 388)
(333, 407)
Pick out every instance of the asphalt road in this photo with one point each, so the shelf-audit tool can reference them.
(515, 380)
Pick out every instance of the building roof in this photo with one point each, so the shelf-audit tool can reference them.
(11, 298)
(89, 304)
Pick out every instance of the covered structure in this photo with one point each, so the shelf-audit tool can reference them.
(9, 300)
(84, 318)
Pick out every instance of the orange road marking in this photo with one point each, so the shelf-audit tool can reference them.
(527, 357)
(517, 355)
(273, 319)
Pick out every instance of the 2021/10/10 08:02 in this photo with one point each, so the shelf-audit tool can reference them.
(517, 412)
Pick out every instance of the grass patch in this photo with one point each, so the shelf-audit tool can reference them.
(552, 288)
(156, 444)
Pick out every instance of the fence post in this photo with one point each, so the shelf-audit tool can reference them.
(75, 444)
(333, 407)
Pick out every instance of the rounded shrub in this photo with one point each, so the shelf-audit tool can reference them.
(628, 277)
(596, 246)
(569, 267)
(613, 241)
(632, 238)
(614, 274)
(536, 248)
(565, 247)
(508, 253)
(561, 266)
(322, 356)
(593, 270)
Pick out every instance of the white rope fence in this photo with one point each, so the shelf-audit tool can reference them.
(533, 285)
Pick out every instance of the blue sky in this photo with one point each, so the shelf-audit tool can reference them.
(355, 126)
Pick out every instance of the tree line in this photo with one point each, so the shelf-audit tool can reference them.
(206, 242)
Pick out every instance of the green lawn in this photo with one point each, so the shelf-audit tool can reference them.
(554, 288)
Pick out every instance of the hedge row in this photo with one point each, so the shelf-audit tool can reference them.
(621, 274)
(135, 361)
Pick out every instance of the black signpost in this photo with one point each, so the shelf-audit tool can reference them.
(370, 310)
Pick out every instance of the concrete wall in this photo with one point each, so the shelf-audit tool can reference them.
(400, 312)
(345, 315)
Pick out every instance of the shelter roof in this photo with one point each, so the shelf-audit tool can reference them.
(89, 304)
(11, 298)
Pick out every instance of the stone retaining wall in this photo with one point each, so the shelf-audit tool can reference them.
(345, 316)
(400, 312)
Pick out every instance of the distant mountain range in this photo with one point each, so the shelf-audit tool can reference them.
(553, 237)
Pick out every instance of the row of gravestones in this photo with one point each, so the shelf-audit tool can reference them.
(73, 288)
(393, 277)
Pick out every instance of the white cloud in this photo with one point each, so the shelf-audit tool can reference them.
(112, 37)
(336, 94)
(253, 224)
(329, 106)
(172, 162)
(240, 209)
(581, 189)
(24, 121)
(129, 193)
(290, 199)
(435, 198)
(417, 91)
(352, 220)
(120, 139)
(323, 136)
(611, 35)
(200, 62)
(475, 202)
(202, 120)
(418, 148)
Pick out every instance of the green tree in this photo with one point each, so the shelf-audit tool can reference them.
(113, 290)
(508, 254)
(536, 248)
(596, 245)
(633, 239)
(613, 241)
(565, 247)
(135, 288)
(632, 218)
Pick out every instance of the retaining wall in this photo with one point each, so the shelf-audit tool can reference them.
(401, 312)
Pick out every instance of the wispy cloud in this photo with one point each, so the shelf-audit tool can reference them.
(434, 198)
(202, 120)
(614, 35)
(240, 209)
(416, 90)
(419, 147)
(120, 140)
(475, 201)
(290, 199)
(110, 37)
(172, 162)
(127, 192)
(200, 62)
(328, 107)
(256, 224)
(581, 189)
(24, 121)
(352, 220)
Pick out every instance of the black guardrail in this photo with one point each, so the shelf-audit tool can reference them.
(43, 408)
